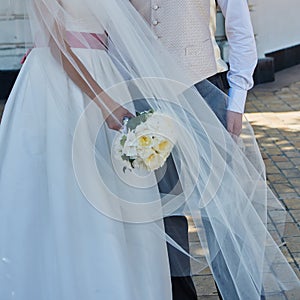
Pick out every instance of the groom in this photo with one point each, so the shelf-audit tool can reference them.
(187, 28)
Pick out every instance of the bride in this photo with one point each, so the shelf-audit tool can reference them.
(76, 224)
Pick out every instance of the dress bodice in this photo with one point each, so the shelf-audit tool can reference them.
(80, 18)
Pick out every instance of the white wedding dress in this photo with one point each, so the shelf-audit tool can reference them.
(53, 243)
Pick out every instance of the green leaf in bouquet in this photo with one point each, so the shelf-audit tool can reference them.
(133, 123)
(140, 118)
(130, 160)
(125, 157)
(146, 112)
(123, 140)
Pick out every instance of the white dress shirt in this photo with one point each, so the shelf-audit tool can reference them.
(242, 51)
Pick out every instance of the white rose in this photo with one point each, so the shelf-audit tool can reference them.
(144, 153)
(163, 125)
(130, 151)
(154, 161)
(163, 146)
(144, 141)
(140, 129)
(139, 164)
(130, 144)
(131, 139)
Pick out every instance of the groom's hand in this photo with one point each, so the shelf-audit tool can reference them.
(234, 122)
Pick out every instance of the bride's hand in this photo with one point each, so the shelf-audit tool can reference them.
(115, 119)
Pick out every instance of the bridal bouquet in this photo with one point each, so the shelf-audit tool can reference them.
(146, 140)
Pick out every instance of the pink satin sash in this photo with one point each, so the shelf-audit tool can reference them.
(82, 40)
(86, 40)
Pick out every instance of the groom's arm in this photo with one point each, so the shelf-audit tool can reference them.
(242, 59)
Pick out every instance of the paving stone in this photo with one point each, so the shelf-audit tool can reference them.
(291, 230)
(277, 178)
(206, 271)
(279, 158)
(293, 244)
(193, 236)
(273, 170)
(208, 297)
(293, 173)
(290, 195)
(205, 285)
(274, 234)
(276, 297)
(283, 188)
(296, 269)
(293, 295)
(278, 217)
(296, 215)
(285, 165)
(296, 256)
(295, 182)
(286, 251)
(293, 203)
(292, 154)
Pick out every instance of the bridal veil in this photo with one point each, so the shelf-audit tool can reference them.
(221, 178)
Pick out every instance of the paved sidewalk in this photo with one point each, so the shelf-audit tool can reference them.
(273, 109)
(275, 116)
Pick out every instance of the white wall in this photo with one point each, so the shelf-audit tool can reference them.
(276, 24)
(12, 32)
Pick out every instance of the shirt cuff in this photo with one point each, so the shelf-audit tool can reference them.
(237, 100)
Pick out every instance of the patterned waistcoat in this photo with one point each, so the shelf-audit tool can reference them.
(186, 28)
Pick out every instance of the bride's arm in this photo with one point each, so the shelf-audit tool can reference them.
(111, 110)
(78, 73)
(83, 80)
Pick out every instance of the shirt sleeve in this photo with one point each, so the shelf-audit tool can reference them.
(242, 51)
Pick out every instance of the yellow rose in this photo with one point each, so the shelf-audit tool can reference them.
(150, 158)
(145, 141)
(154, 161)
(163, 146)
